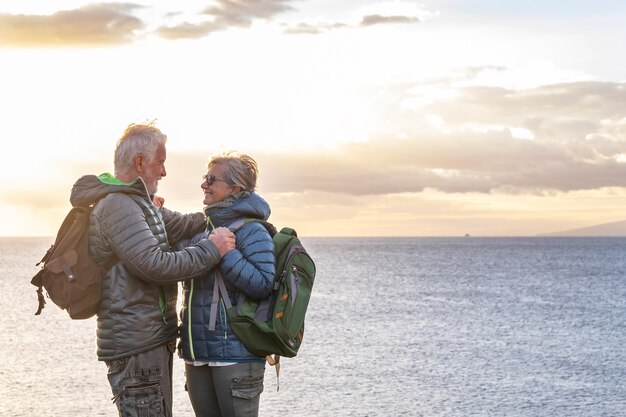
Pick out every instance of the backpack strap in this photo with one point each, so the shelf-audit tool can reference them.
(219, 290)
(237, 224)
(234, 226)
(274, 360)
(38, 282)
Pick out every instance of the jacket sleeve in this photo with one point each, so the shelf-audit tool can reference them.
(182, 226)
(181, 244)
(251, 266)
(123, 226)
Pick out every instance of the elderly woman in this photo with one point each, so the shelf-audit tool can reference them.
(223, 377)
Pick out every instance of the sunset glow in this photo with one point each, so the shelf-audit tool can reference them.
(368, 118)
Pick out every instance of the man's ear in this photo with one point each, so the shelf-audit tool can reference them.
(139, 163)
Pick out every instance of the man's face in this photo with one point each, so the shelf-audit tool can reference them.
(154, 169)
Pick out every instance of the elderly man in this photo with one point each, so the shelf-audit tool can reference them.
(137, 322)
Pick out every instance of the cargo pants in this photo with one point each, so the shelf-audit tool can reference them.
(142, 383)
(226, 391)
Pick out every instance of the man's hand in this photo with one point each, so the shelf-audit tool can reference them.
(223, 238)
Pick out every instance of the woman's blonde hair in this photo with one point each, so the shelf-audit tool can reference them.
(242, 169)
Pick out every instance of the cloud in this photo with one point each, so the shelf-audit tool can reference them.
(371, 20)
(103, 24)
(241, 13)
(577, 142)
(313, 28)
(573, 137)
(92, 25)
(226, 14)
(188, 30)
(389, 13)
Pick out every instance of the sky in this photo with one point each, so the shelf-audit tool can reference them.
(367, 118)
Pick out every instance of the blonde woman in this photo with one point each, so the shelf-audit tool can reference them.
(223, 377)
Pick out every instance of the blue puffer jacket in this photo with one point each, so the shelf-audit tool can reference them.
(249, 268)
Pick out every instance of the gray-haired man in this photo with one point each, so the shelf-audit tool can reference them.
(137, 321)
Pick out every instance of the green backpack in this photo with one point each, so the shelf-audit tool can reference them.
(275, 325)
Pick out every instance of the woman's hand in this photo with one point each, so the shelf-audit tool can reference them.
(158, 201)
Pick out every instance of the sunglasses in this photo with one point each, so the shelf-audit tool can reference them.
(210, 179)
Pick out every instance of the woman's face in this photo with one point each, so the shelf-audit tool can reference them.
(215, 187)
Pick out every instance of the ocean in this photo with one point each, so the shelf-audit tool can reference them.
(396, 327)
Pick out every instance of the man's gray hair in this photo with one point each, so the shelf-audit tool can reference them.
(137, 139)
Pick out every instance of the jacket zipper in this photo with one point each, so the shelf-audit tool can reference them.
(224, 318)
(193, 355)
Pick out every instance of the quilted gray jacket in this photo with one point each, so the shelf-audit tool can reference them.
(138, 307)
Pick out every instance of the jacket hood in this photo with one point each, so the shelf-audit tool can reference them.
(241, 205)
(90, 188)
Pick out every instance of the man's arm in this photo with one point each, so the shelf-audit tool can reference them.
(124, 227)
(182, 226)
